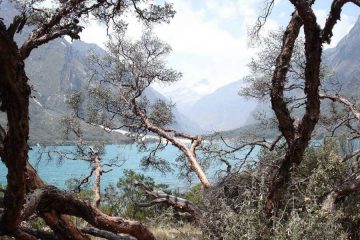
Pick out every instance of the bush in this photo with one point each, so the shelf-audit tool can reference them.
(125, 198)
(235, 207)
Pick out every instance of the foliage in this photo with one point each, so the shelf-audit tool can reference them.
(161, 113)
(125, 198)
(195, 195)
(121, 78)
(234, 208)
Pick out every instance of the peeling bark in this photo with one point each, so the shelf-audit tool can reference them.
(52, 199)
(334, 16)
(298, 135)
(39, 234)
(14, 101)
(62, 226)
(96, 187)
(286, 122)
(14, 95)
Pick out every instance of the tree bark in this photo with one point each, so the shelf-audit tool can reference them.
(96, 187)
(298, 136)
(21, 177)
(189, 152)
(14, 100)
(14, 95)
(349, 105)
(286, 122)
(52, 199)
(62, 226)
(39, 234)
(105, 234)
(340, 192)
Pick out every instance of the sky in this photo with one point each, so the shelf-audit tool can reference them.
(210, 42)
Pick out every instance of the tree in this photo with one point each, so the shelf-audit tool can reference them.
(49, 23)
(235, 207)
(177, 203)
(83, 151)
(118, 100)
(297, 134)
(294, 182)
(127, 198)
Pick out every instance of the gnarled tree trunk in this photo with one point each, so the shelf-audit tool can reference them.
(62, 226)
(14, 96)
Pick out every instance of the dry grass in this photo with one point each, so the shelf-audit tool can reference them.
(186, 231)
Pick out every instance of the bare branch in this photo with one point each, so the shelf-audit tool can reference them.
(351, 155)
(261, 20)
(105, 234)
(49, 198)
(176, 202)
(129, 69)
(345, 102)
(39, 234)
(347, 188)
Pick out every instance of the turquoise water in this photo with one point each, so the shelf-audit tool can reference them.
(55, 173)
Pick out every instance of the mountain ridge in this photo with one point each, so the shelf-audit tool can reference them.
(56, 70)
(224, 109)
(343, 60)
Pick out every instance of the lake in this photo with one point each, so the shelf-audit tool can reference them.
(55, 173)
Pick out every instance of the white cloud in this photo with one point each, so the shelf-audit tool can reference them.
(94, 32)
(210, 40)
(223, 9)
(204, 49)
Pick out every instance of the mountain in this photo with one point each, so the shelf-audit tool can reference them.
(181, 123)
(344, 60)
(59, 68)
(222, 110)
(56, 70)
